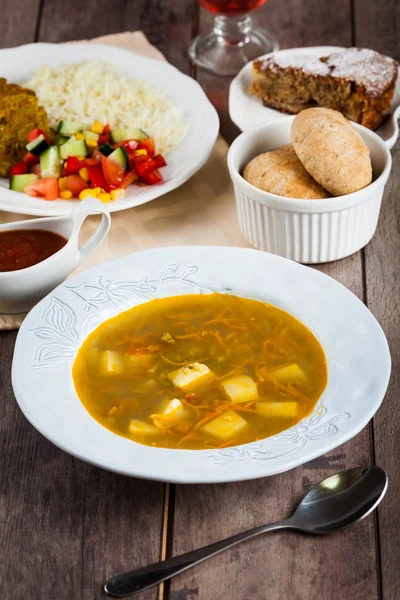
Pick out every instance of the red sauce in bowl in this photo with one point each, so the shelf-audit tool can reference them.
(22, 248)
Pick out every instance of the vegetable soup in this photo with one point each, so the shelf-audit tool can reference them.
(200, 371)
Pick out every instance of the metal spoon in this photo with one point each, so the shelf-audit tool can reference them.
(337, 502)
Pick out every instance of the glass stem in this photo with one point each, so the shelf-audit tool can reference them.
(233, 31)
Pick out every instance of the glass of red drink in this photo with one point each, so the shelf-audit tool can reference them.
(233, 41)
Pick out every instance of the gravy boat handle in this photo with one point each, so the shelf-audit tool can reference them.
(91, 206)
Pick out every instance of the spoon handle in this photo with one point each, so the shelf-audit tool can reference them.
(146, 577)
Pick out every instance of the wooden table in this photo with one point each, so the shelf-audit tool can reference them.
(67, 526)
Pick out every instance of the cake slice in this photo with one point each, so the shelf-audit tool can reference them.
(358, 82)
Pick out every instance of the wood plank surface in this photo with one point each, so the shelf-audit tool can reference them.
(18, 23)
(378, 26)
(280, 566)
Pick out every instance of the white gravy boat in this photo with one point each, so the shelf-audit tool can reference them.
(21, 290)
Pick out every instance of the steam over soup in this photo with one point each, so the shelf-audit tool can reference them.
(200, 371)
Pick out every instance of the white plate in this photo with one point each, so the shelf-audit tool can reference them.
(356, 349)
(248, 111)
(18, 64)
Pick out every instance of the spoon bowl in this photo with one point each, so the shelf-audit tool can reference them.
(337, 502)
(341, 500)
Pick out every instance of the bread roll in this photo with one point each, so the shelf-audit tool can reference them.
(331, 150)
(281, 172)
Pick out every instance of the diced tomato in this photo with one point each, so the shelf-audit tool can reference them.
(45, 188)
(159, 161)
(106, 129)
(148, 145)
(91, 162)
(152, 177)
(113, 172)
(76, 184)
(103, 138)
(32, 135)
(72, 165)
(35, 169)
(144, 164)
(129, 178)
(30, 158)
(96, 175)
(109, 187)
(18, 169)
(130, 146)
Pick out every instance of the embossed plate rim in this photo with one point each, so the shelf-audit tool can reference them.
(356, 348)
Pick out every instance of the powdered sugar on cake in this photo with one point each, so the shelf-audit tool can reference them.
(365, 67)
(308, 63)
(373, 71)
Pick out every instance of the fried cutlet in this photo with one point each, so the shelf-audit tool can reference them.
(19, 114)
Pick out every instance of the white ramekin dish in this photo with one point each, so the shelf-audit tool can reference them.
(308, 231)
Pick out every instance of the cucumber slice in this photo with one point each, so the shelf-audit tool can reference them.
(50, 164)
(106, 149)
(120, 157)
(137, 134)
(73, 147)
(38, 145)
(89, 135)
(61, 140)
(120, 135)
(69, 128)
(19, 182)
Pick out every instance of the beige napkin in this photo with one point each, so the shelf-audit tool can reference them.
(202, 211)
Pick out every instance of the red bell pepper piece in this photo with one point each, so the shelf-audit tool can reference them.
(109, 187)
(30, 158)
(152, 177)
(72, 165)
(96, 175)
(144, 164)
(106, 129)
(130, 146)
(19, 169)
(130, 177)
(103, 138)
(159, 161)
(32, 135)
(148, 145)
(91, 162)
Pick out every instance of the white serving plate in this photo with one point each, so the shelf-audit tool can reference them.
(355, 346)
(18, 64)
(248, 111)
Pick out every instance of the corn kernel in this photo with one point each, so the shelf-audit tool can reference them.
(81, 157)
(62, 184)
(97, 190)
(104, 197)
(88, 193)
(66, 195)
(79, 136)
(140, 152)
(117, 194)
(84, 173)
(91, 143)
(97, 127)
